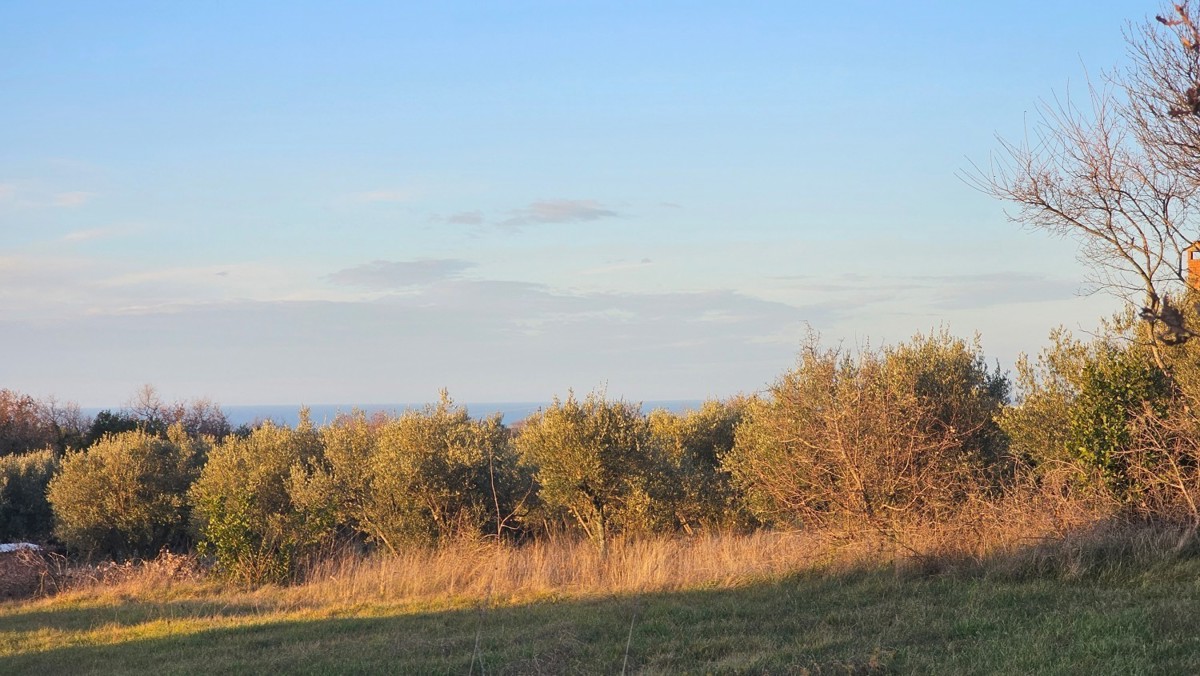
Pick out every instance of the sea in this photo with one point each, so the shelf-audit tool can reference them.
(510, 412)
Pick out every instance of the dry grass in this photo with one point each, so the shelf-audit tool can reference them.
(560, 566)
(1034, 531)
(765, 602)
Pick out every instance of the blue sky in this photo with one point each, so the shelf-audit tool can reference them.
(366, 202)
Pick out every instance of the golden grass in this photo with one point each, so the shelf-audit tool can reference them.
(170, 599)
(1027, 531)
(481, 571)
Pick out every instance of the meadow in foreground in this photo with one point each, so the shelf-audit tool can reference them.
(758, 604)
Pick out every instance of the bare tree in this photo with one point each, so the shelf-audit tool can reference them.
(1119, 174)
(199, 417)
(1163, 88)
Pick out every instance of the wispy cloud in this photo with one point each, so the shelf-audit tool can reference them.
(959, 292)
(32, 194)
(941, 292)
(559, 211)
(382, 275)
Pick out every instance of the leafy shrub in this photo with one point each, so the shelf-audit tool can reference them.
(244, 504)
(598, 462)
(1079, 404)
(25, 512)
(425, 476)
(198, 418)
(695, 444)
(1116, 387)
(109, 422)
(124, 496)
(875, 440)
(1038, 424)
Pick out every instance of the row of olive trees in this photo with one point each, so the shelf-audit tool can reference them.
(261, 502)
(877, 440)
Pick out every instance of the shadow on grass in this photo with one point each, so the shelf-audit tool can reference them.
(859, 622)
(128, 614)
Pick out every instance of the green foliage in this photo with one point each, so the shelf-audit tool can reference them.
(109, 422)
(124, 496)
(1038, 425)
(25, 512)
(424, 477)
(1079, 402)
(245, 503)
(875, 439)
(956, 391)
(1116, 386)
(598, 461)
(198, 418)
(695, 444)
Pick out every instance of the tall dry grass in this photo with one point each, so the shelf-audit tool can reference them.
(1038, 529)
(1031, 530)
(559, 566)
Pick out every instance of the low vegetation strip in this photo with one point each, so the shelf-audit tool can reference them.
(847, 621)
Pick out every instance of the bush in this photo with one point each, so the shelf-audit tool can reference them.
(873, 441)
(251, 504)
(25, 513)
(598, 462)
(108, 423)
(426, 476)
(199, 418)
(1116, 387)
(695, 444)
(125, 495)
(1080, 403)
(1038, 424)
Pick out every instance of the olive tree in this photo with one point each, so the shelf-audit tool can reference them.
(245, 504)
(598, 461)
(125, 495)
(695, 444)
(25, 512)
(424, 476)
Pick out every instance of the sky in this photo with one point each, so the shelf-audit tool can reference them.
(366, 202)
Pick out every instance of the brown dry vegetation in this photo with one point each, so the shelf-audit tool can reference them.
(1030, 532)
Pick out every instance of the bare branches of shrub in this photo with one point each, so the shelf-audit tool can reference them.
(873, 441)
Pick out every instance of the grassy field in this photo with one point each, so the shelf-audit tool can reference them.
(1104, 619)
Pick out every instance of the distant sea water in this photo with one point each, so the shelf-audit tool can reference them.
(510, 412)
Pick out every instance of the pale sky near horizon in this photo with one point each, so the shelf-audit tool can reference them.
(268, 202)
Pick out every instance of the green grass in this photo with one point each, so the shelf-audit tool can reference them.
(858, 622)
